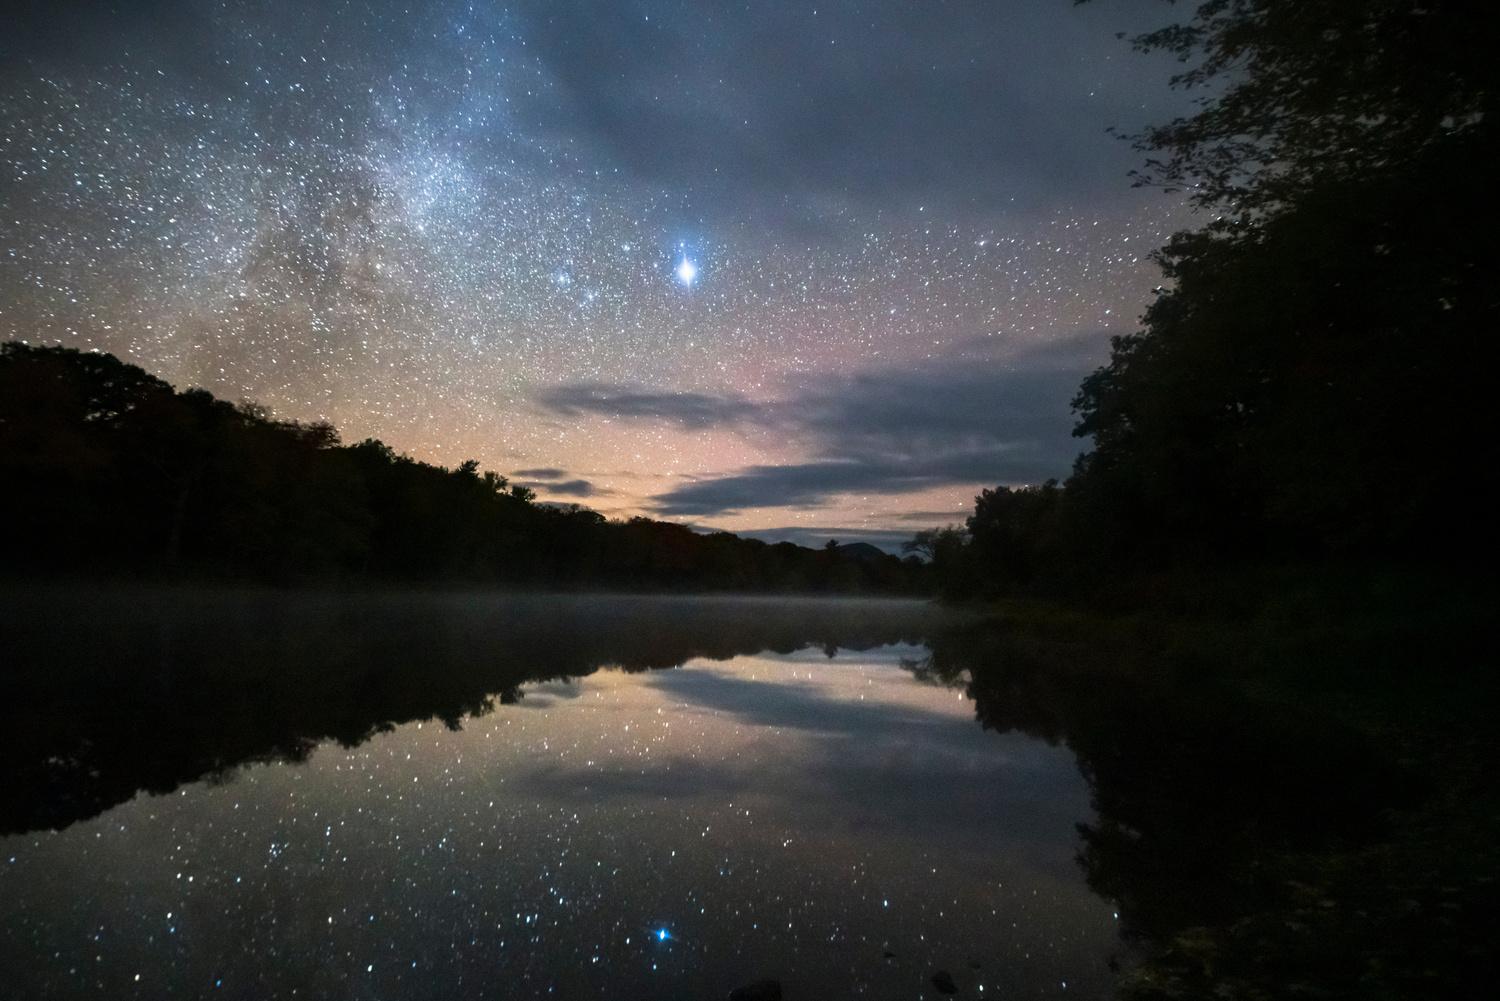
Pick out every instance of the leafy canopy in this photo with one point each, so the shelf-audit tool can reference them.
(1298, 93)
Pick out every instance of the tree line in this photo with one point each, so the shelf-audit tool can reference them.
(1310, 384)
(109, 470)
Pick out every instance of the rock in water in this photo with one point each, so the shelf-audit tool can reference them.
(761, 990)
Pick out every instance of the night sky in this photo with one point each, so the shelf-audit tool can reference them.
(782, 268)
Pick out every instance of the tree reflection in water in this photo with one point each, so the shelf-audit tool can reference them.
(105, 696)
(1255, 849)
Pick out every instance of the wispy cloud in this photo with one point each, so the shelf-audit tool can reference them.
(566, 488)
(574, 488)
(687, 410)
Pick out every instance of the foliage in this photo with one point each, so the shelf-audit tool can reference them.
(1310, 383)
(1314, 379)
(945, 552)
(110, 470)
(1298, 95)
(1310, 378)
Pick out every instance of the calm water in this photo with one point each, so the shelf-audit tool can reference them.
(282, 795)
(457, 797)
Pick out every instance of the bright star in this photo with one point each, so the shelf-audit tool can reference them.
(687, 271)
(661, 934)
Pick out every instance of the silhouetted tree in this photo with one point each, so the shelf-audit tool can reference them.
(1311, 381)
(1310, 377)
(948, 557)
(109, 470)
(1015, 532)
(1303, 95)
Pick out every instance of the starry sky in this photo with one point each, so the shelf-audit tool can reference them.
(790, 269)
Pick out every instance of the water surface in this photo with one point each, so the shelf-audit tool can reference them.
(454, 797)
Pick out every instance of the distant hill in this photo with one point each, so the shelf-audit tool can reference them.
(861, 552)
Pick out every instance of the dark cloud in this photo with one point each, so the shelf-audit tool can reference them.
(890, 105)
(569, 488)
(688, 410)
(887, 431)
(933, 517)
(550, 480)
(810, 484)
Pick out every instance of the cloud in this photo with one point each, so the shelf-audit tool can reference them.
(551, 480)
(958, 422)
(571, 488)
(882, 106)
(565, 488)
(687, 410)
(933, 517)
(812, 483)
(902, 430)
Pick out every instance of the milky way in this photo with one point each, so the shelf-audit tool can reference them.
(743, 266)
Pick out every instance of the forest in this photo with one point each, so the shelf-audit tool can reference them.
(115, 473)
(1308, 386)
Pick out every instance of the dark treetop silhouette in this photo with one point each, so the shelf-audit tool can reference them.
(110, 470)
(1311, 382)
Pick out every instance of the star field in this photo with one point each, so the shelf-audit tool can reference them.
(419, 224)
